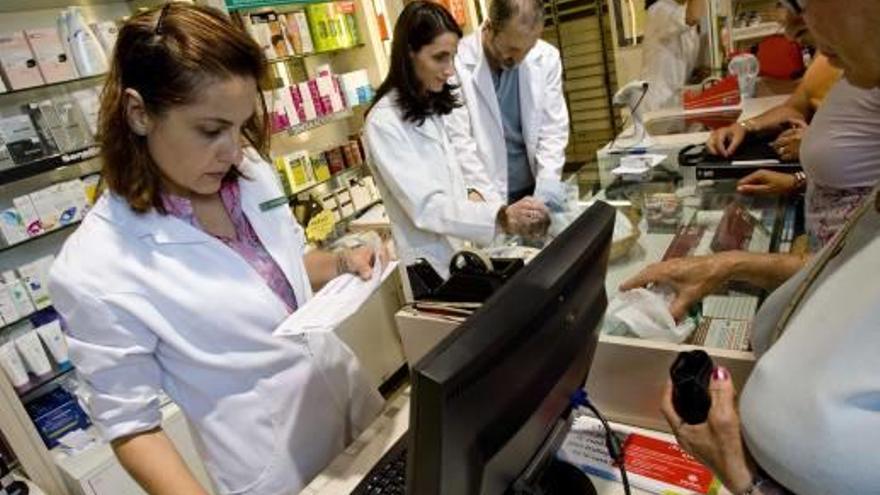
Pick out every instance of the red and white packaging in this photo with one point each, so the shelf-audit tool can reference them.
(308, 104)
(315, 94)
(296, 97)
(654, 461)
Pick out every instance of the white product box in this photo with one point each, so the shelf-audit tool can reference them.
(75, 192)
(35, 276)
(289, 107)
(53, 62)
(18, 62)
(11, 226)
(29, 217)
(44, 203)
(88, 102)
(106, 32)
(330, 94)
(75, 124)
(8, 312)
(20, 297)
(305, 34)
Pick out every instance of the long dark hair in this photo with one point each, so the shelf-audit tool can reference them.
(418, 25)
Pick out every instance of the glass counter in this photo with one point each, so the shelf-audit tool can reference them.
(662, 218)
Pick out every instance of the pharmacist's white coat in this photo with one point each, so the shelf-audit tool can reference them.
(153, 303)
(423, 187)
(477, 125)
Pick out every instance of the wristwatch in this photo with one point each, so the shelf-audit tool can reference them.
(800, 180)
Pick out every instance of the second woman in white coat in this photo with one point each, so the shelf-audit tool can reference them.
(419, 176)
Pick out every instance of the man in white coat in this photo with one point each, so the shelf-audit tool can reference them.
(514, 111)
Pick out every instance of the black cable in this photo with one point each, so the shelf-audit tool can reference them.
(580, 398)
(626, 120)
(613, 446)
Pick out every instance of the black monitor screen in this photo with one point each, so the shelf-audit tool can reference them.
(487, 397)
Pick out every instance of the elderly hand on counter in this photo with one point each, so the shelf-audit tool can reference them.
(528, 217)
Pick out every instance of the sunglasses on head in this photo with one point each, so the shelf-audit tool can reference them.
(795, 6)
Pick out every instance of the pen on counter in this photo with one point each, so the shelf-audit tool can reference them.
(634, 151)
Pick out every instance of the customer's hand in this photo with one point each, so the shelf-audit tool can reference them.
(527, 217)
(767, 183)
(692, 279)
(788, 143)
(725, 141)
(360, 260)
(717, 443)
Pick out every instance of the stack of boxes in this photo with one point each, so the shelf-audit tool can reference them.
(325, 95)
(300, 169)
(321, 27)
(62, 124)
(46, 209)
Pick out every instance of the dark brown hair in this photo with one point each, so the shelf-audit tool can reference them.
(418, 25)
(166, 54)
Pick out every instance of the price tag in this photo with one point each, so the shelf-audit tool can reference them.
(320, 226)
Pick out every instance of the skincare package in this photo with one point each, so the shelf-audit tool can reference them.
(56, 414)
(30, 356)
(321, 27)
(301, 169)
(44, 210)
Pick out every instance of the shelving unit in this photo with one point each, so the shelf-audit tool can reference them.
(334, 182)
(758, 31)
(291, 58)
(36, 389)
(49, 163)
(52, 85)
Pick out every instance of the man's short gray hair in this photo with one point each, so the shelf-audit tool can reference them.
(527, 12)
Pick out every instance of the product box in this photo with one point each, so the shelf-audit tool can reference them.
(35, 276)
(29, 217)
(88, 102)
(305, 33)
(8, 312)
(106, 32)
(278, 120)
(262, 32)
(75, 191)
(90, 189)
(44, 203)
(12, 227)
(298, 169)
(335, 160)
(56, 414)
(52, 121)
(320, 109)
(290, 29)
(76, 126)
(43, 125)
(309, 106)
(68, 206)
(320, 167)
(52, 61)
(654, 462)
(298, 105)
(347, 11)
(5, 158)
(22, 140)
(277, 37)
(20, 297)
(285, 96)
(18, 62)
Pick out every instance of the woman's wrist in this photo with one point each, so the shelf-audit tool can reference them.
(341, 259)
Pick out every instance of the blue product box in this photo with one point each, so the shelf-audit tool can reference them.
(55, 414)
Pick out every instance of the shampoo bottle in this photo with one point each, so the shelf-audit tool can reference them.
(87, 52)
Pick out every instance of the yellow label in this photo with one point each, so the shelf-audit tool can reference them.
(320, 226)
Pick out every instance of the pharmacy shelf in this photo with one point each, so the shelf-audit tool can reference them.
(758, 31)
(316, 123)
(291, 58)
(37, 167)
(52, 85)
(234, 5)
(26, 318)
(60, 228)
(37, 388)
(346, 174)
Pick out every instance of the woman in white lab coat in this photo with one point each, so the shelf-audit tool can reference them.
(671, 49)
(419, 175)
(176, 279)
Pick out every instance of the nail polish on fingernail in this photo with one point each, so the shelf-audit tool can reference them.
(720, 374)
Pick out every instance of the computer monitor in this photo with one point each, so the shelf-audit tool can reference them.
(493, 398)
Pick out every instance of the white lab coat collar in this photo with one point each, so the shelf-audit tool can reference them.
(170, 230)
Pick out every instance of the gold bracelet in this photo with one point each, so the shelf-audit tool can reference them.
(748, 125)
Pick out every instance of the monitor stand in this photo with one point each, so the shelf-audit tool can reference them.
(562, 478)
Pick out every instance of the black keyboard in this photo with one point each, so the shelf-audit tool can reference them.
(388, 476)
